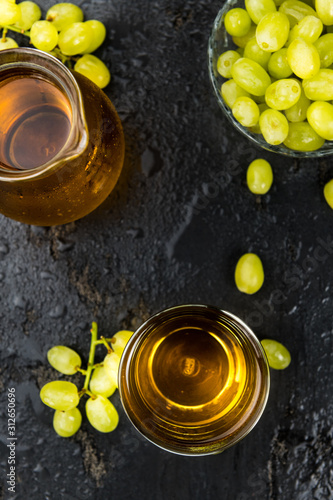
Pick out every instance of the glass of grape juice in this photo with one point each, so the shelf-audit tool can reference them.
(194, 379)
(61, 140)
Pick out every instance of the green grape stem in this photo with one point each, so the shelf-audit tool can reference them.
(93, 343)
(18, 30)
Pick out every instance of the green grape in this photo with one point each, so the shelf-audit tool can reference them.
(309, 28)
(279, 2)
(320, 117)
(111, 364)
(255, 53)
(324, 9)
(273, 31)
(9, 13)
(256, 129)
(75, 39)
(101, 383)
(296, 11)
(225, 61)
(328, 193)
(101, 414)
(67, 423)
(303, 58)
(30, 13)
(60, 395)
(324, 45)
(237, 22)
(249, 273)
(319, 87)
(278, 356)
(94, 69)
(257, 9)
(43, 35)
(250, 76)
(302, 137)
(8, 43)
(283, 94)
(274, 126)
(62, 15)
(297, 112)
(259, 176)
(119, 341)
(64, 359)
(230, 91)
(241, 41)
(99, 34)
(278, 66)
(246, 111)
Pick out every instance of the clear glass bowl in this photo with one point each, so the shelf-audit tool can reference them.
(219, 42)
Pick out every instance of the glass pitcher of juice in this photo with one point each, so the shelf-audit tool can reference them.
(61, 140)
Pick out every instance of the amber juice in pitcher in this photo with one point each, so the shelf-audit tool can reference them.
(194, 380)
(61, 140)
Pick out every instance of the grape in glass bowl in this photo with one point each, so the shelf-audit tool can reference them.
(302, 140)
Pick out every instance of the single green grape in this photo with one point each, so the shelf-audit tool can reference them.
(230, 91)
(278, 66)
(328, 193)
(111, 364)
(302, 137)
(278, 356)
(255, 53)
(283, 94)
(94, 69)
(296, 11)
(250, 76)
(67, 423)
(324, 46)
(241, 41)
(249, 273)
(30, 13)
(75, 39)
(237, 22)
(309, 28)
(320, 86)
(60, 395)
(303, 58)
(274, 126)
(99, 34)
(64, 359)
(62, 15)
(101, 414)
(8, 43)
(101, 383)
(43, 36)
(257, 9)
(225, 62)
(246, 111)
(9, 13)
(324, 10)
(119, 341)
(259, 176)
(320, 117)
(273, 31)
(297, 112)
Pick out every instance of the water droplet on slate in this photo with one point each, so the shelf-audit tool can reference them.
(58, 311)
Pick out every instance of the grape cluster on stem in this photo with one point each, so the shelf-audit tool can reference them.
(100, 382)
(63, 33)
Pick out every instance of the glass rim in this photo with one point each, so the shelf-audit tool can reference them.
(255, 139)
(54, 70)
(198, 308)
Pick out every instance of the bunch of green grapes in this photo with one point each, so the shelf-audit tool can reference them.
(63, 33)
(280, 71)
(101, 381)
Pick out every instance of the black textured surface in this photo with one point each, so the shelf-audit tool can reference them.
(172, 232)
